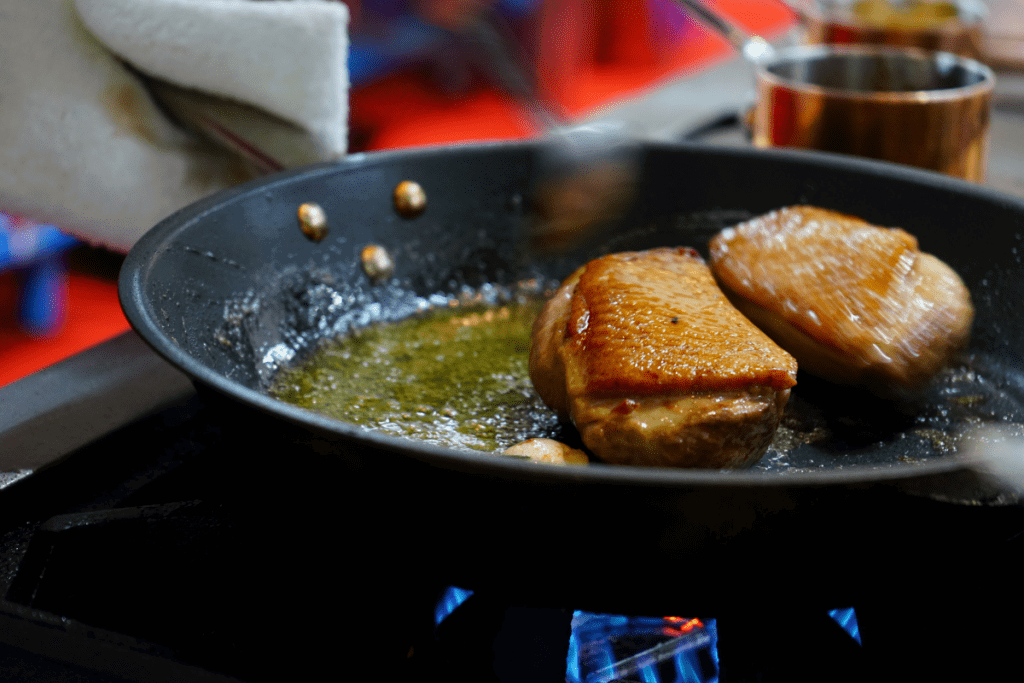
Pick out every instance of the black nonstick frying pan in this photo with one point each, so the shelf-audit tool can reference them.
(229, 288)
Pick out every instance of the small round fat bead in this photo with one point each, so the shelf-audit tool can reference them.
(377, 262)
(313, 221)
(410, 199)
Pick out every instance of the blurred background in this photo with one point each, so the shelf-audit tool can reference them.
(414, 80)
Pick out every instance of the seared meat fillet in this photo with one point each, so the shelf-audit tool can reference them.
(654, 366)
(855, 303)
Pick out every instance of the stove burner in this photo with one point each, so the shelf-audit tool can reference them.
(607, 647)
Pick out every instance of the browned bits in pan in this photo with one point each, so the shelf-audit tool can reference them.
(377, 262)
(313, 221)
(410, 199)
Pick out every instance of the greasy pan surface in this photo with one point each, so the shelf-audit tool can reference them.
(229, 286)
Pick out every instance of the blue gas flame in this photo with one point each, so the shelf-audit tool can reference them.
(452, 597)
(847, 618)
(679, 655)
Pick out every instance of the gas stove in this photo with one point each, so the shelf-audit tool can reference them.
(185, 543)
(150, 533)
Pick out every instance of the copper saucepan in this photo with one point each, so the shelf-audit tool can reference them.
(900, 104)
(925, 109)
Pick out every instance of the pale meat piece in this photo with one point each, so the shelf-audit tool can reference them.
(549, 451)
(654, 366)
(855, 303)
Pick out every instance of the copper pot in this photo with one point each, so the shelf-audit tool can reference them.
(925, 109)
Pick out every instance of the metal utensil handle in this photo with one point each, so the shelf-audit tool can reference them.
(507, 68)
(754, 48)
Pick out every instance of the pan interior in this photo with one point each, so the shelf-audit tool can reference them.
(415, 392)
(235, 326)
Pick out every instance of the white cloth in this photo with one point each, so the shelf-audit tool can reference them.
(84, 146)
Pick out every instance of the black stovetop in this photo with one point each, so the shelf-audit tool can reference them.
(155, 553)
(192, 544)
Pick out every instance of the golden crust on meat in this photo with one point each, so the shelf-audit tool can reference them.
(654, 366)
(855, 303)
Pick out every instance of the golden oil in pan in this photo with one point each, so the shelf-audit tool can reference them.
(457, 377)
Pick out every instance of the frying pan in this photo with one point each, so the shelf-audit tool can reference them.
(229, 288)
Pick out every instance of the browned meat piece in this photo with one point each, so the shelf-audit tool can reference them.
(855, 303)
(653, 365)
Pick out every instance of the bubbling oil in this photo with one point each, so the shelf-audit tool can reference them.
(455, 377)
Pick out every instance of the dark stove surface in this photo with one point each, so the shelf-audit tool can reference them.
(155, 531)
(191, 544)
(169, 550)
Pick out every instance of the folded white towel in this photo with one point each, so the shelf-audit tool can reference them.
(85, 147)
(287, 57)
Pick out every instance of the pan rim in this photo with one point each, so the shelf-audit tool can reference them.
(142, 319)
